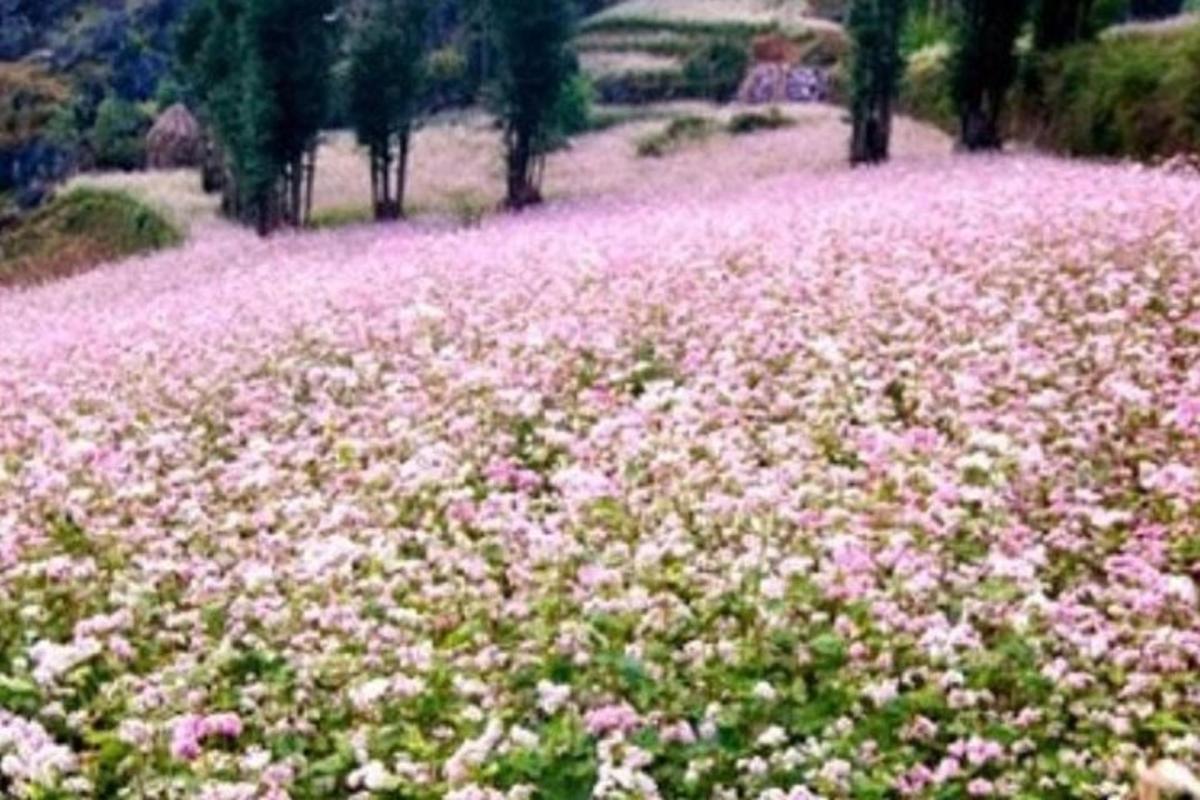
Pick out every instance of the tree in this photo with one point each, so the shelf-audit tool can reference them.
(531, 39)
(875, 27)
(1155, 9)
(985, 66)
(387, 79)
(261, 70)
(119, 136)
(1059, 23)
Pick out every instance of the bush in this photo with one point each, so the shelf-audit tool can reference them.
(753, 121)
(573, 112)
(926, 90)
(641, 87)
(80, 230)
(119, 136)
(716, 70)
(676, 135)
(1130, 96)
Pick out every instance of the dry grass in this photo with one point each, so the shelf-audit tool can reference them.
(175, 193)
(463, 162)
(456, 168)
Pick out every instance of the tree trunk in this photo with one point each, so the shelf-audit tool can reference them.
(374, 158)
(402, 170)
(522, 192)
(310, 180)
(981, 126)
(386, 210)
(262, 221)
(872, 133)
(295, 212)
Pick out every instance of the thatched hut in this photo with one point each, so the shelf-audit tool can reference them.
(176, 141)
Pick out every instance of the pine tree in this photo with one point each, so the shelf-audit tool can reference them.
(261, 69)
(387, 79)
(531, 39)
(876, 68)
(985, 66)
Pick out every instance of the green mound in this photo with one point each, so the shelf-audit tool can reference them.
(78, 231)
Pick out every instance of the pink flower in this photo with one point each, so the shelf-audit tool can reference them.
(615, 718)
(186, 733)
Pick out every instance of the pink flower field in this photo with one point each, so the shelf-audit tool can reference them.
(844, 485)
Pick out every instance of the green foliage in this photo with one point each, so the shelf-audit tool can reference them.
(448, 75)
(677, 134)
(532, 41)
(572, 113)
(169, 93)
(119, 136)
(927, 89)
(387, 84)
(261, 69)
(754, 121)
(79, 230)
(1129, 96)
(716, 70)
(926, 27)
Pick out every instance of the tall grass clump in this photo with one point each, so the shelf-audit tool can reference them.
(80, 230)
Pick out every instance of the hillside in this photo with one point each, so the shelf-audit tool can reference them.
(126, 44)
(649, 50)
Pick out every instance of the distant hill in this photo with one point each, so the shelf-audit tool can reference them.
(123, 45)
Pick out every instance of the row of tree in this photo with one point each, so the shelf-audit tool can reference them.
(260, 70)
(985, 60)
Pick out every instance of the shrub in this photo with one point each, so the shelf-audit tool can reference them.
(753, 121)
(119, 136)
(716, 70)
(678, 133)
(80, 230)
(641, 87)
(926, 91)
(1130, 96)
(573, 112)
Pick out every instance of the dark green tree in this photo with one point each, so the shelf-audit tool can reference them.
(387, 81)
(1155, 9)
(532, 44)
(261, 70)
(985, 66)
(1058, 23)
(876, 67)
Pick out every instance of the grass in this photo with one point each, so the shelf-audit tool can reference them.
(754, 121)
(678, 134)
(78, 231)
(688, 130)
(341, 216)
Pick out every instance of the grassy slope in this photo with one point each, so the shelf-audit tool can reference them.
(78, 231)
